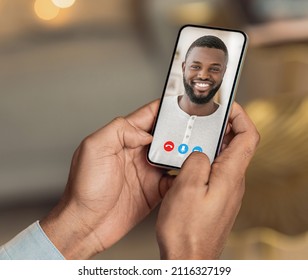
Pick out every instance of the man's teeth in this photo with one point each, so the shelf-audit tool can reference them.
(202, 85)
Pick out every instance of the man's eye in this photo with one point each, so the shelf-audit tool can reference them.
(215, 69)
(195, 67)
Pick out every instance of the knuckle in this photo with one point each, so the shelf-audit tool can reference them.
(253, 142)
(88, 143)
(119, 121)
(256, 137)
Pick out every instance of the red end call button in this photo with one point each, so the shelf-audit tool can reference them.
(169, 146)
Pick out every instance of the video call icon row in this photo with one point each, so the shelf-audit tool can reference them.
(182, 149)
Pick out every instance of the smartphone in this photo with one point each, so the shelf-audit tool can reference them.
(198, 94)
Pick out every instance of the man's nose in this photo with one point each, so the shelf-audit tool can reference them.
(203, 74)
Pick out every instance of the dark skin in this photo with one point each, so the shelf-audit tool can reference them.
(203, 70)
(198, 212)
(111, 188)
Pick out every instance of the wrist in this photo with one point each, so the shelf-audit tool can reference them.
(69, 234)
(181, 255)
(187, 249)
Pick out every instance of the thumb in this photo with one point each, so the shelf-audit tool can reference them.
(134, 137)
(195, 170)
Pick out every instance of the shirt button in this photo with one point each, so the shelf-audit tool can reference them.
(190, 127)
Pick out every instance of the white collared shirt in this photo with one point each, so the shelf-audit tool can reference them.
(186, 132)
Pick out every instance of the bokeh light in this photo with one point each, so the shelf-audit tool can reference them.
(45, 9)
(63, 3)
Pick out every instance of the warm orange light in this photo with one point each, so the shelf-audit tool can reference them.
(63, 3)
(195, 12)
(45, 9)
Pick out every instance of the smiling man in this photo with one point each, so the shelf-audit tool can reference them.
(192, 121)
(203, 70)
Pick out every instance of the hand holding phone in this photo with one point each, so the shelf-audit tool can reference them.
(198, 94)
(199, 210)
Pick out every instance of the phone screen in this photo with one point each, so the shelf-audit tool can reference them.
(198, 94)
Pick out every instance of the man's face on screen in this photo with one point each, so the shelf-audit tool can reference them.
(203, 73)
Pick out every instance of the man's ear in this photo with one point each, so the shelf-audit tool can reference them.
(183, 66)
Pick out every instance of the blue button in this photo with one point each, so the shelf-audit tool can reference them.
(183, 149)
(197, 149)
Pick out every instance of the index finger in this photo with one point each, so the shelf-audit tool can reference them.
(144, 117)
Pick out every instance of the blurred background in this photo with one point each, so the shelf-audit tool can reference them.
(68, 67)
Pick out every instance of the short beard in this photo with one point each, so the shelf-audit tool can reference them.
(199, 99)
